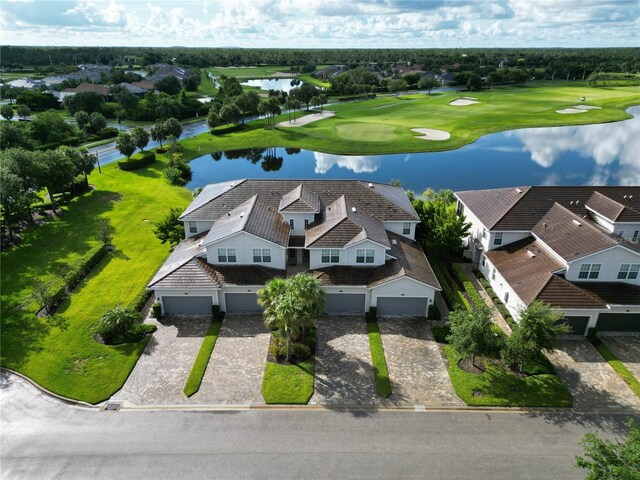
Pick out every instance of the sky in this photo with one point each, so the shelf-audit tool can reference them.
(322, 23)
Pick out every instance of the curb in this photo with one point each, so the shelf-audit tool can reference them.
(47, 393)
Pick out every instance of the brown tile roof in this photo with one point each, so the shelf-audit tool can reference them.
(255, 216)
(90, 87)
(386, 202)
(184, 252)
(345, 224)
(196, 273)
(605, 206)
(506, 209)
(409, 261)
(526, 266)
(569, 235)
(560, 292)
(613, 293)
(300, 199)
(238, 275)
(144, 84)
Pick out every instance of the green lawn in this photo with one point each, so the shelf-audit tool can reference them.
(204, 354)
(288, 384)
(380, 371)
(620, 368)
(383, 125)
(500, 387)
(206, 87)
(245, 73)
(314, 81)
(59, 353)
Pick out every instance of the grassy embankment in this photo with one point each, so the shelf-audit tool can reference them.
(383, 125)
(60, 353)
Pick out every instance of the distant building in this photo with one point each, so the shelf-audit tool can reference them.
(87, 71)
(163, 70)
(87, 87)
(26, 83)
(137, 90)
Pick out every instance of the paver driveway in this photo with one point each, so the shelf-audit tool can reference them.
(626, 348)
(162, 370)
(236, 367)
(344, 374)
(417, 370)
(590, 379)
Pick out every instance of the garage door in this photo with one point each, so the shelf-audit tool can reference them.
(344, 303)
(578, 324)
(402, 306)
(187, 304)
(619, 322)
(242, 303)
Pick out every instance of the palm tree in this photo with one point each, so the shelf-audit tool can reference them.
(311, 295)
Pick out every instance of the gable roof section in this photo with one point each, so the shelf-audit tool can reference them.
(345, 224)
(503, 209)
(300, 199)
(90, 87)
(184, 252)
(386, 202)
(605, 206)
(195, 274)
(559, 292)
(569, 235)
(255, 216)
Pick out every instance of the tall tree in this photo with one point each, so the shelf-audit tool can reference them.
(24, 111)
(429, 83)
(140, 137)
(82, 119)
(396, 85)
(173, 128)
(230, 113)
(169, 85)
(56, 171)
(125, 145)
(97, 122)
(6, 111)
(158, 133)
(170, 228)
(471, 332)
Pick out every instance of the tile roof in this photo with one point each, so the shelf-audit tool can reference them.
(606, 207)
(135, 89)
(613, 293)
(244, 275)
(345, 224)
(526, 266)
(506, 209)
(255, 216)
(386, 202)
(196, 273)
(560, 292)
(184, 252)
(408, 261)
(90, 87)
(571, 236)
(300, 199)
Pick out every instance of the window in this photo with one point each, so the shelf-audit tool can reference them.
(292, 224)
(483, 262)
(628, 271)
(227, 255)
(406, 228)
(635, 236)
(497, 240)
(589, 270)
(193, 228)
(493, 274)
(261, 255)
(306, 224)
(484, 233)
(330, 255)
(365, 255)
(506, 297)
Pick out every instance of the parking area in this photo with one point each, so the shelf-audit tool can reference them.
(417, 370)
(626, 347)
(162, 370)
(589, 378)
(236, 367)
(344, 374)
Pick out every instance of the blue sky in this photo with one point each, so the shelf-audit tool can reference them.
(323, 23)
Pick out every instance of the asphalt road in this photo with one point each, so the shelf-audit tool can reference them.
(43, 439)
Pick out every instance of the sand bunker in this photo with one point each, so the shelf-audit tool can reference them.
(571, 110)
(586, 107)
(462, 102)
(431, 134)
(302, 121)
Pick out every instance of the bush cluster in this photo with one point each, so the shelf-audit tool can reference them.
(122, 325)
(300, 351)
(177, 171)
(139, 160)
(474, 296)
(433, 312)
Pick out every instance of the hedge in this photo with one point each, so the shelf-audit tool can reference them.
(449, 295)
(140, 299)
(139, 160)
(474, 296)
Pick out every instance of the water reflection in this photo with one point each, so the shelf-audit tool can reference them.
(357, 164)
(283, 84)
(603, 143)
(267, 157)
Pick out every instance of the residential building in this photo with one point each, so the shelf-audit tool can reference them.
(136, 90)
(26, 83)
(357, 238)
(575, 248)
(163, 70)
(101, 90)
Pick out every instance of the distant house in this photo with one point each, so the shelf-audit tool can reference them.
(26, 83)
(163, 70)
(575, 248)
(148, 86)
(101, 90)
(87, 71)
(137, 90)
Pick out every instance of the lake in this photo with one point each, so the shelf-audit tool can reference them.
(283, 84)
(602, 154)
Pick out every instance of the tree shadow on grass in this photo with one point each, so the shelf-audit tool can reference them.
(22, 333)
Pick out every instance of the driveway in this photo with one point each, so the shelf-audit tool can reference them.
(417, 370)
(626, 347)
(344, 374)
(236, 367)
(590, 379)
(162, 370)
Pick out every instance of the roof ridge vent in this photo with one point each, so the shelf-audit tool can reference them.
(531, 253)
(353, 209)
(370, 185)
(577, 222)
(519, 190)
(394, 241)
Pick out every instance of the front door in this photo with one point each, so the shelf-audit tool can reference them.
(293, 257)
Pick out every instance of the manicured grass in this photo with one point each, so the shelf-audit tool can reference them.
(244, 73)
(314, 81)
(383, 125)
(500, 387)
(380, 371)
(200, 365)
(288, 384)
(60, 353)
(206, 87)
(620, 368)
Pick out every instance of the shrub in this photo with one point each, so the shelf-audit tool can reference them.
(278, 349)
(140, 299)
(161, 150)
(440, 333)
(116, 322)
(156, 311)
(108, 132)
(173, 176)
(474, 296)
(82, 268)
(177, 171)
(433, 312)
(300, 351)
(139, 160)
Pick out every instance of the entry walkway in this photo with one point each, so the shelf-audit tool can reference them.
(496, 316)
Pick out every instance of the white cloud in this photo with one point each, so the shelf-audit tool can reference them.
(357, 164)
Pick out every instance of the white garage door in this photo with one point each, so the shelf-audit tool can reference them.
(187, 305)
(242, 303)
(402, 306)
(344, 303)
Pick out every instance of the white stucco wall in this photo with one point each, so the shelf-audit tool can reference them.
(610, 261)
(348, 256)
(397, 227)
(507, 238)
(201, 225)
(514, 304)
(624, 229)
(244, 245)
(298, 221)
